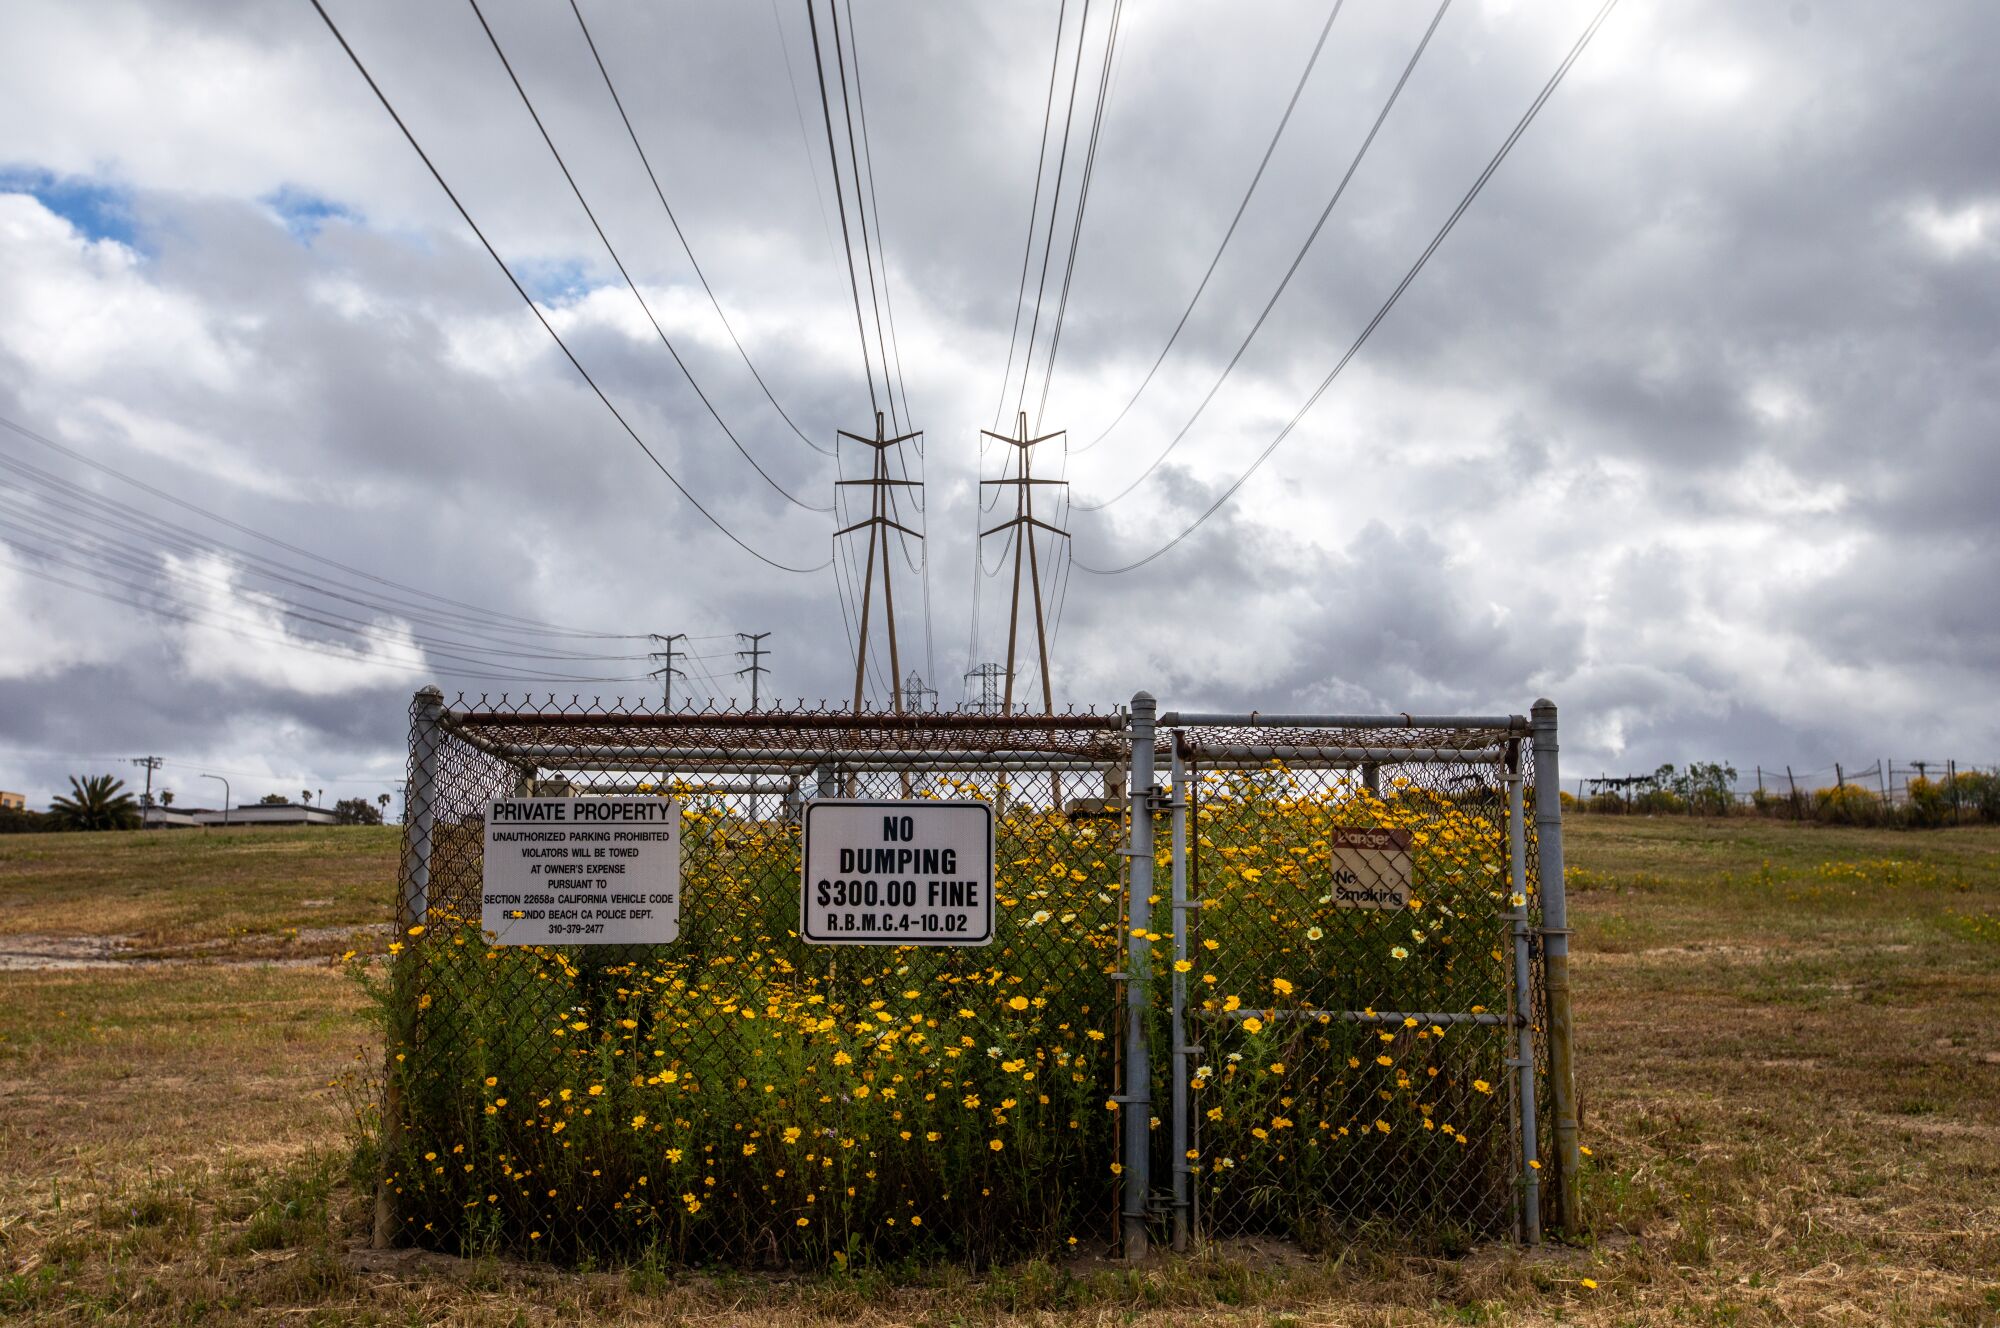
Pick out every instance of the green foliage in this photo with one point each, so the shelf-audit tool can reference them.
(22, 821)
(97, 803)
(357, 811)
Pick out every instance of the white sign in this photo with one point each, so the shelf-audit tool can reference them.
(582, 871)
(915, 872)
(1371, 869)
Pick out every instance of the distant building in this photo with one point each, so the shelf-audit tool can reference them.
(13, 802)
(268, 814)
(169, 818)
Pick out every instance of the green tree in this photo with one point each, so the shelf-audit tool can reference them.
(272, 800)
(356, 811)
(97, 803)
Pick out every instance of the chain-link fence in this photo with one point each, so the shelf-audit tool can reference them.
(1353, 972)
(740, 1095)
(1352, 1029)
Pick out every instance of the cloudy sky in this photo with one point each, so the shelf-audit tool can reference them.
(1687, 424)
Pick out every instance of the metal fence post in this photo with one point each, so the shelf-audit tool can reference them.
(1524, 1004)
(1180, 1106)
(412, 907)
(426, 712)
(1136, 1180)
(1555, 966)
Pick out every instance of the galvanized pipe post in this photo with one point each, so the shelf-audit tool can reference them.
(1136, 1100)
(412, 909)
(1555, 967)
(1524, 1006)
(1181, 1107)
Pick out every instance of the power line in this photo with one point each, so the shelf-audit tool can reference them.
(1055, 206)
(881, 236)
(687, 249)
(805, 140)
(1555, 80)
(541, 318)
(1082, 202)
(83, 505)
(846, 241)
(861, 211)
(136, 559)
(619, 263)
(515, 623)
(1034, 216)
(1229, 234)
(1297, 259)
(430, 649)
(344, 656)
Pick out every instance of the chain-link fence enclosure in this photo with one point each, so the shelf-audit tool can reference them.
(1337, 1018)
(1353, 971)
(739, 1095)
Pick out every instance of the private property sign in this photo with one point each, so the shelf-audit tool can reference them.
(582, 871)
(912, 872)
(1371, 869)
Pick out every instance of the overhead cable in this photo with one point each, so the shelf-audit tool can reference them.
(680, 235)
(619, 263)
(1297, 259)
(542, 318)
(1548, 89)
(840, 204)
(511, 622)
(1229, 234)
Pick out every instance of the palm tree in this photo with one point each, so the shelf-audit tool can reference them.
(97, 803)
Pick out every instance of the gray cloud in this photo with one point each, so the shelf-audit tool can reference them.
(1687, 424)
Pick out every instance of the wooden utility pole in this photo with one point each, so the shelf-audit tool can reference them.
(1025, 524)
(878, 524)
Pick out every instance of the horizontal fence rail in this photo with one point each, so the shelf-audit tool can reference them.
(1246, 975)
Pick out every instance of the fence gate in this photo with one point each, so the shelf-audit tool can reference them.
(1356, 1024)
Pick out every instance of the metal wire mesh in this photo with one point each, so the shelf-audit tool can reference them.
(1351, 1011)
(1338, 988)
(740, 1096)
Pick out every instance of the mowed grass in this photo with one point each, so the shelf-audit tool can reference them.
(1789, 1050)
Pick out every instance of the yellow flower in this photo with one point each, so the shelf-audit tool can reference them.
(492, 1081)
(1587, 1283)
(1314, 933)
(639, 1121)
(1384, 1060)
(792, 1133)
(1183, 965)
(749, 1150)
(1253, 1025)
(597, 1090)
(1017, 1003)
(995, 1145)
(417, 930)
(1277, 1067)
(1481, 1086)
(1281, 986)
(805, 1222)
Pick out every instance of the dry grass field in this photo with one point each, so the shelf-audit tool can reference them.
(1789, 1049)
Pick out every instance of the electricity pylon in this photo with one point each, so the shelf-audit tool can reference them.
(878, 524)
(1026, 525)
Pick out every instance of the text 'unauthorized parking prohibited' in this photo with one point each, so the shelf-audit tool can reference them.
(582, 871)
